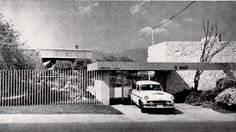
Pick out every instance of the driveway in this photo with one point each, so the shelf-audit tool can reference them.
(183, 113)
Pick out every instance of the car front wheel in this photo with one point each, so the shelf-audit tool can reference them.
(141, 105)
(131, 102)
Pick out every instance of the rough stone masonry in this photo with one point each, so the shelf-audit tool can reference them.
(190, 51)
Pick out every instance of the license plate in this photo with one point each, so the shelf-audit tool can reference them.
(159, 106)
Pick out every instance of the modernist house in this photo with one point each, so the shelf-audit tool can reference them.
(174, 64)
(189, 52)
(50, 56)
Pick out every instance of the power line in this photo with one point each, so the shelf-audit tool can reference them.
(173, 16)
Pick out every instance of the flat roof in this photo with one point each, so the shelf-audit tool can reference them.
(150, 66)
(147, 82)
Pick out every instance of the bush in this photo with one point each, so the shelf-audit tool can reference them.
(180, 97)
(81, 64)
(209, 95)
(63, 65)
(221, 85)
(227, 97)
(194, 98)
(225, 83)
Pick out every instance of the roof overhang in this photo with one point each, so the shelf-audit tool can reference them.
(146, 66)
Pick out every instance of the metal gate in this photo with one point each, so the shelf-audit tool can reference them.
(48, 87)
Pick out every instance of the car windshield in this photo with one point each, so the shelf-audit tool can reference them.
(151, 87)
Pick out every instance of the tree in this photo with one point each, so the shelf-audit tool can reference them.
(13, 54)
(112, 58)
(63, 65)
(211, 47)
(81, 64)
(124, 59)
(108, 58)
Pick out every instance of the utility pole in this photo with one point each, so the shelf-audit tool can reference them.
(152, 37)
(122, 86)
(162, 23)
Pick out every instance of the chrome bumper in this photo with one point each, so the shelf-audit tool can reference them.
(159, 106)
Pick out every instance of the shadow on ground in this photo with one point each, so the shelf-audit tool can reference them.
(60, 109)
(164, 111)
(125, 101)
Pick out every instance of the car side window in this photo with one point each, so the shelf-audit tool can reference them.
(133, 86)
(137, 87)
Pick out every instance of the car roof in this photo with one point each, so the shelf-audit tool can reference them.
(147, 82)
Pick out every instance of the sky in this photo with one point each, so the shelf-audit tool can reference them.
(114, 26)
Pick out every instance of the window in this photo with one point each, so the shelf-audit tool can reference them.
(137, 87)
(151, 87)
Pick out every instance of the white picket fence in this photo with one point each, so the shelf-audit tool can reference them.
(48, 87)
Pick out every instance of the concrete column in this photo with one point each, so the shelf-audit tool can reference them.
(102, 86)
(106, 88)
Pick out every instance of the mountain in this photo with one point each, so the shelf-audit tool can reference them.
(99, 54)
(139, 55)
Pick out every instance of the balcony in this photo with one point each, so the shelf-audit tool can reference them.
(65, 53)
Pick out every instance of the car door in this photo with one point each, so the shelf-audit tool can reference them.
(135, 94)
(138, 93)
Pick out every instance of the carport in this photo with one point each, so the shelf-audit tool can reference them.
(161, 72)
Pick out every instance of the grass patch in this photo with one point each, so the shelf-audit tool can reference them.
(60, 109)
(221, 109)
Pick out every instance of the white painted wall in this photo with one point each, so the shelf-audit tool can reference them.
(103, 89)
(157, 53)
(116, 92)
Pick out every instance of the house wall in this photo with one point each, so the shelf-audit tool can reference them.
(190, 51)
(103, 88)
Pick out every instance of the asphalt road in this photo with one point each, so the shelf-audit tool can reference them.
(119, 127)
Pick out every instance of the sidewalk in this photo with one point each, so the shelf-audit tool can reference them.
(131, 114)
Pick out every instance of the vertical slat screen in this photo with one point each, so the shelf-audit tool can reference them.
(48, 87)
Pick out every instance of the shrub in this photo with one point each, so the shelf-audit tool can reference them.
(227, 97)
(209, 95)
(63, 65)
(180, 97)
(194, 98)
(81, 64)
(225, 83)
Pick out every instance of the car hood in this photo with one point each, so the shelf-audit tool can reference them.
(157, 95)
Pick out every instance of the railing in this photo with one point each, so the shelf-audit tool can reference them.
(48, 87)
(65, 53)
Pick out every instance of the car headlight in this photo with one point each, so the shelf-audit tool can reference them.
(146, 98)
(172, 97)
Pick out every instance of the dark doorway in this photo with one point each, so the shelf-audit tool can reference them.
(161, 77)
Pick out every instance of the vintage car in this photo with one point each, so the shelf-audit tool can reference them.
(149, 94)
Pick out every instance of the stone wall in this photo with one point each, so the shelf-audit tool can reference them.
(187, 51)
(190, 51)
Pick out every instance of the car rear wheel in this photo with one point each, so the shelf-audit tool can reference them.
(130, 100)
